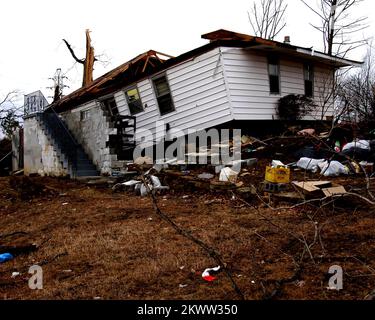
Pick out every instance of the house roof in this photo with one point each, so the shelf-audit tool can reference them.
(152, 62)
(281, 47)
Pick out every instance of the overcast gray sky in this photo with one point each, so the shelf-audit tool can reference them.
(32, 32)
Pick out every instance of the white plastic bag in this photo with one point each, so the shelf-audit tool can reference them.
(131, 183)
(155, 181)
(144, 191)
(309, 164)
(227, 174)
(277, 164)
(333, 169)
(361, 144)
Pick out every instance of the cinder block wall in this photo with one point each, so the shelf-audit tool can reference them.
(40, 157)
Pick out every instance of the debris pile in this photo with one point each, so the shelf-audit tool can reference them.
(308, 154)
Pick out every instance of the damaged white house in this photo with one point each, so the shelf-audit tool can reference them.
(234, 80)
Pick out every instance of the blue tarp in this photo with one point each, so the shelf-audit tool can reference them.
(4, 257)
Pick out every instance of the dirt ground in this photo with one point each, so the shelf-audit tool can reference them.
(93, 243)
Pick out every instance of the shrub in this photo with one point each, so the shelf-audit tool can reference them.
(295, 107)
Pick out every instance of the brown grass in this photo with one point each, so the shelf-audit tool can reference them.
(115, 251)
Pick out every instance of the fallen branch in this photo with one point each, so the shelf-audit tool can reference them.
(370, 296)
(212, 253)
(280, 283)
(333, 198)
(372, 203)
(284, 253)
(7, 235)
(16, 250)
(52, 259)
(271, 222)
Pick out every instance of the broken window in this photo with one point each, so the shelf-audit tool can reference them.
(308, 70)
(110, 105)
(134, 101)
(163, 95)
(274, 75)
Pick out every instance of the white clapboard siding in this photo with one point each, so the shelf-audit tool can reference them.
(247, 78)
(221, 85)
(198, 91)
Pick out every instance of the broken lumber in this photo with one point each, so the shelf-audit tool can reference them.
(312, 186)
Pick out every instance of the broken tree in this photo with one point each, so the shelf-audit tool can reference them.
(88, 62)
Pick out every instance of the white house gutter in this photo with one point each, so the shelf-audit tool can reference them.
(340, 62)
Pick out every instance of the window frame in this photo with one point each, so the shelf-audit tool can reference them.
(108, 97)
(84, 115)
(153, 79)
(269, 60)
(132, 87)
(312, 75)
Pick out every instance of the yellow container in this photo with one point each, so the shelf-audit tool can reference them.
(278, 175)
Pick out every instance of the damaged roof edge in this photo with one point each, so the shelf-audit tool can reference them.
(223, 34)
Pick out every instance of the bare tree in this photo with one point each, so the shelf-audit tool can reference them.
(338, 27)
(267, 18)
(357, 92)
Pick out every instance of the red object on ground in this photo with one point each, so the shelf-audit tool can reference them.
(209, 278)
(207, 274)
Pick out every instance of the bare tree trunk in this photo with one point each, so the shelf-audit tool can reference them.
(89, 61)
(338, 27)
(332, 27)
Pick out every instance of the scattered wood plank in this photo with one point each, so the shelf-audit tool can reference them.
(329, 192)
(312, 186)
(315, 188)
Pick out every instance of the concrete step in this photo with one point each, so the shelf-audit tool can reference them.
(86, 173)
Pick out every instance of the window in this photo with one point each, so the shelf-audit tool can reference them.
(134, 100)
(163, 95)
(85, 114)
(274, 75)
(110, 105)
(308, 71)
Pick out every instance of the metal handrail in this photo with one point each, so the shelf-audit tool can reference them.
(63, 126)
(72, 154)
(10, 153)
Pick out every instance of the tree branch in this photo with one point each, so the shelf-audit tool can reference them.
(81, 61)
